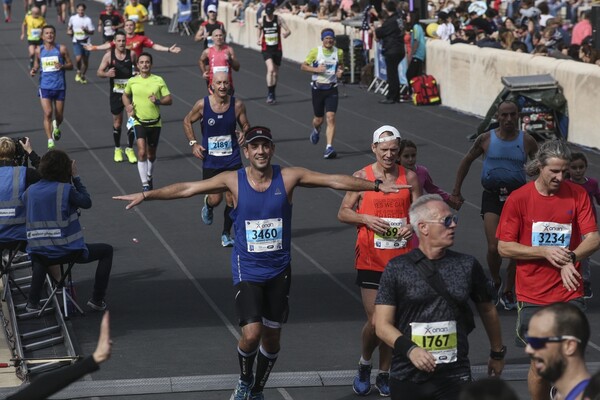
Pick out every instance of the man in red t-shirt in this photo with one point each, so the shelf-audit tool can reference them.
(136, 43)
(384, 232)
(547, 226)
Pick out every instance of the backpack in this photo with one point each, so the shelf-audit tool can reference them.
(425, 90)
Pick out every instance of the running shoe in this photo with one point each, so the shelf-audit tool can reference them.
(118, 154)
(226, 240)
(270, 99)
(495, 291)
(50, 144)
(77, 78)
(207, 212)
(33, 307)
(150, 182)
(130, 155)
(587, 290)
(314, 136)
(362, 380)
(507, 299)
(97, 305)
(82, 80)
(146, 188)
(256, 396)
(382, 383)
(242, 390)
(55, 130)
(329, 153)
(405, 98)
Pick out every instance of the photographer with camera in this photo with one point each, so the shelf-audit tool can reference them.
(15, 177)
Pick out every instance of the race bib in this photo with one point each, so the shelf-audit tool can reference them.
(119, 85)
(330, 68)
(438, 338)
(272, 39)
(109, 30)
(550, 234)
(35, 34)
(220, 69)
(49, 63)
(8, 212)
(389, 239)
(134, 17)
(210, 42)
(220, 146)
(79, 35)
(264, 235)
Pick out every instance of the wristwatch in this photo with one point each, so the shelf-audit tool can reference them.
(573, 257)
(377, 183)
(193, 142)
(498, 355)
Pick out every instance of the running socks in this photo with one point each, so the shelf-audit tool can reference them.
(117, 136)
(246, 364)
(228, 222)
(143, 171)
(264, 365)
(130, 138)
(150, 167)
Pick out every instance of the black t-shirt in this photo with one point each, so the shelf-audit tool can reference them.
(403, 286)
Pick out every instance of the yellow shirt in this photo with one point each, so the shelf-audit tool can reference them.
(34, 27)
(136, 13)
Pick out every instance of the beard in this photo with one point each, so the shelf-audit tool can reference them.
(554, 370)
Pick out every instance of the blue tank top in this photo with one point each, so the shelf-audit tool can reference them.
(262, 223)
(50, 78)
(12, 211)
(52, 223)
(219, 139)
(504, 164)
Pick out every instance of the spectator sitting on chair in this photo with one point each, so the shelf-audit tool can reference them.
(51, 236)
(14, 179)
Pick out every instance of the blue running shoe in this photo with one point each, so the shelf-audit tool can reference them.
(362, 380)
(242, 390)
(256, 396)
(226, 240)
(314, 136)
(329, 153)
(382, 383)
(146, 188)
(207, 213)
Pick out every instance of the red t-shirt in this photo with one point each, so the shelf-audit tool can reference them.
(136, 44)
(373, 252)
(528, 217)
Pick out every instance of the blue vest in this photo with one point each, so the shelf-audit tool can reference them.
(219, 138)
(262, 223)
(12, 211)
(53, 228)
(53, 80)
(504, 164)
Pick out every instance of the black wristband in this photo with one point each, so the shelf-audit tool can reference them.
(498, 355)
(377, 183)
(403, 345)
(573, 257)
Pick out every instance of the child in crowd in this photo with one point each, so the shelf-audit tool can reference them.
(408, 159)
(577, 169)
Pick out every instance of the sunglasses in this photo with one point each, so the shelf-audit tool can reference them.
(537, 343)
(447, 221)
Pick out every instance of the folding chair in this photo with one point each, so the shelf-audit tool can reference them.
(184, 17)
(56, 285)
(11, 249)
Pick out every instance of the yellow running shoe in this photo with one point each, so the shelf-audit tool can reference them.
(118, 154)
(77, 78)
(82, 80)
(50, 144)
(55, 130)
(130, 155)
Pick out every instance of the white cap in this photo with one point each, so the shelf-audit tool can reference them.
(210, 8)
(108, 3)
(386, 128)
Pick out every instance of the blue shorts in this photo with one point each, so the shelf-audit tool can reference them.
(58, 95)
(7, 1)
(78, 49)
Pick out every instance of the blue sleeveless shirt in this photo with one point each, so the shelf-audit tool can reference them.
(50, 78)
(504, 164)
(262, 223)
(218, 137)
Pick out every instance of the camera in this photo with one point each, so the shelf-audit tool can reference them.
(21, 157)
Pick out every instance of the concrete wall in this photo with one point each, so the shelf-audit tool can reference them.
(469, 80)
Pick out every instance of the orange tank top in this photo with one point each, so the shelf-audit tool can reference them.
(373, 251)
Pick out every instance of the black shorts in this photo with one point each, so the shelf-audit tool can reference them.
(265, 302)
(441, 386)
(39, 3)
(324, 101)
(275, 55)
(116, 103)
(491, 203)
(35, 42)
(150, 133)
(208, 173)
(368, 279)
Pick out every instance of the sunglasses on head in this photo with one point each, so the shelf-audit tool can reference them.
(447, 221)
(537, 343)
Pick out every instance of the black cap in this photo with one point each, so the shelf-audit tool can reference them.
(258, 132)
(270, 8)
